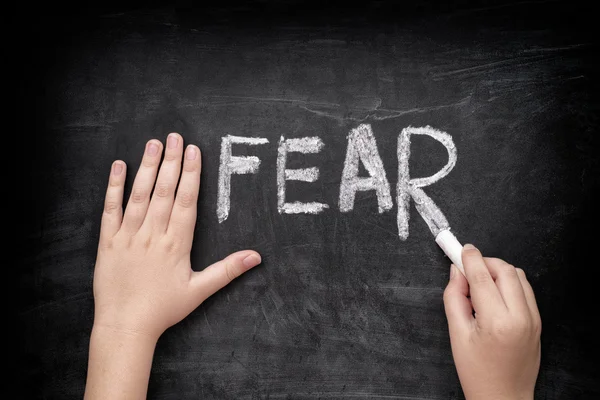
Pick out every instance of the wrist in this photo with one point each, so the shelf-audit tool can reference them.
(123, 334)
(119, 363)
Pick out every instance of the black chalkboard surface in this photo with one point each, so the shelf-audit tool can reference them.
(341, 307)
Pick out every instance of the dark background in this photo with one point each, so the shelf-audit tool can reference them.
(340, 307)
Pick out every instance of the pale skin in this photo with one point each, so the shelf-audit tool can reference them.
(144, 283)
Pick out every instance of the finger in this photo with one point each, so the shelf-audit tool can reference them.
(530, 297)
(183, 215)
(459, 311)
(142, 187)
(508, 283)
(213, 278)
(485, 296)
(113, 202)
(161, 204)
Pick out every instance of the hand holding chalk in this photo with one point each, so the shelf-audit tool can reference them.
(495, 335)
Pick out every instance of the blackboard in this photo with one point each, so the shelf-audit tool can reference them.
(340, 307)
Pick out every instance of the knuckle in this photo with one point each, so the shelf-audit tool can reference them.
(190, 166)
(470, 253)
(149, 162)
(520, 272)
(187, 199)
(508, 269)
(171, 156)
(447, 294)
(141, 240)
(115, 182)
(509, 329)
(502, 329)
(162, 190)
(111, 206)
(106, 244)
(230, 271)
(171, 245)
(138, 195)
(481, 277)
(537, 326)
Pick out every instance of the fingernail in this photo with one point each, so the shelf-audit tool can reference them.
(190, 153)
(172, 141)
(251, 261)
(469, 246)
(152, 149)
(117, 168)
(452, 271)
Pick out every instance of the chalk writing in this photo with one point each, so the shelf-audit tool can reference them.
(362, 148)
(306, 145)
(233, 165)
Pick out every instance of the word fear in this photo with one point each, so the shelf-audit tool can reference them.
(361, 148)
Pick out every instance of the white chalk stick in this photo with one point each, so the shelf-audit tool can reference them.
(452, 247)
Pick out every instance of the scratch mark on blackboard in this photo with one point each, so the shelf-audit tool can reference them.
(206, 319)
(335, 224)
(275, 299)
(379, 114)
(359, 109)
(252, 100)
(554, 49)
(294, 246)
(574, 77)
(266, 318)
(366, 221)
(460, 102)
(243, 366)
(59, 302)
(509, 62)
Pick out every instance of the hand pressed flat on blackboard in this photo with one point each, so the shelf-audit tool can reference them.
(143, 281)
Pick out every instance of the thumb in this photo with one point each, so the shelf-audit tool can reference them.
(456, 303)
(216, 276)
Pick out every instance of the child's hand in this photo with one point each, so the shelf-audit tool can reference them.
(143, 281)
(497, 350)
